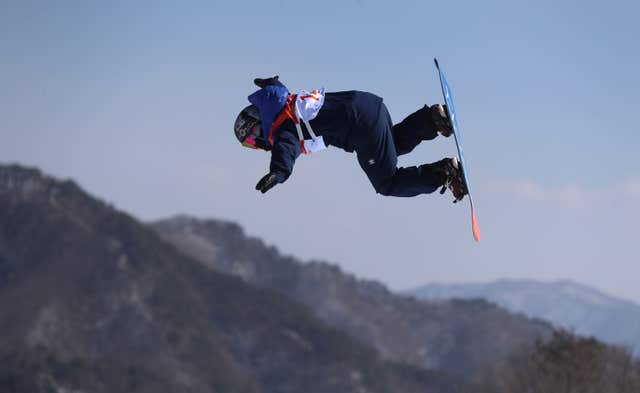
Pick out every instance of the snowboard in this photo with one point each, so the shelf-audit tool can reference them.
(451, 112)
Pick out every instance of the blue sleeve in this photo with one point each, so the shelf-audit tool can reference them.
(270, 100)
(286, 149)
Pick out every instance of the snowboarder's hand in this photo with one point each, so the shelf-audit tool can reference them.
(267, 182)
(262, 83)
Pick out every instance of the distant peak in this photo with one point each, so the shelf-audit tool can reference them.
(22, 180)
(20, 184)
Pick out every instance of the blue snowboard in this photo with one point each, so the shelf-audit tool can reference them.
(448, 99)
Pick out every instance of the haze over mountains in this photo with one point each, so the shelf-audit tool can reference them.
(566, 304)
(93, 300)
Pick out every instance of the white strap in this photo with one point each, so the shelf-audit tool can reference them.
(309, 129)
(299, 129)
(313, 135)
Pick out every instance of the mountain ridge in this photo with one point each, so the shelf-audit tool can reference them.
(448, 336)
(565, 303)
(93, 300)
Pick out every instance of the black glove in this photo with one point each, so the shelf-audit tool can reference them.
(262, 83)
(267, 182)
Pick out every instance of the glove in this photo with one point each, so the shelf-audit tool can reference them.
(262, 83)
(267, 182)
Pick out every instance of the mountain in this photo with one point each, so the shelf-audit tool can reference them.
(454, 336)
(92, 300)
(566, 304)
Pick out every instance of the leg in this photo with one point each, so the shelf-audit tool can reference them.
(417, 127)
(378, 158)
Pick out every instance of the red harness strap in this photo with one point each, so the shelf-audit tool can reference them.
(288, 112)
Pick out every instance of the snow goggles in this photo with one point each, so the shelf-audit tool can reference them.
(250, 139)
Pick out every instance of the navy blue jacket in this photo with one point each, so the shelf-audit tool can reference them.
(343, 122)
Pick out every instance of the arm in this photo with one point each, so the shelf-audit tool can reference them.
(286, 149)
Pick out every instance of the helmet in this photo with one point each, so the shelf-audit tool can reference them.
(247, 127)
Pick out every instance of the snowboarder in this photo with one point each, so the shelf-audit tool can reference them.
(351, 120)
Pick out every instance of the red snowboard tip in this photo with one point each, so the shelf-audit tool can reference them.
(474, 226)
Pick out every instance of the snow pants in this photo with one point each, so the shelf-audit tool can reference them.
(378, 149)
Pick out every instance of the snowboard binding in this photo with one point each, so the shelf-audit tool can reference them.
(454, 179)
(440, 117)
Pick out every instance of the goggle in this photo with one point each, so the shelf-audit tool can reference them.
(250, 140)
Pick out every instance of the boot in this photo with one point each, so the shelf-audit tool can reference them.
(441, 119)
(449, 173)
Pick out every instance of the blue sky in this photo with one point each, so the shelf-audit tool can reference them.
(136, 100)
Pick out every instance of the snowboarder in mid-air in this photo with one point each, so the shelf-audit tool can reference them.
(288, 125)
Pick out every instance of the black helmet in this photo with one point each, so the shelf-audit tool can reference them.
(247, 127)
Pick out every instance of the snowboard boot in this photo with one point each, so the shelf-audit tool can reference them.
(441, 119)
(448, 173)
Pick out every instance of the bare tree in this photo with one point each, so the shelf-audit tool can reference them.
(567, 364)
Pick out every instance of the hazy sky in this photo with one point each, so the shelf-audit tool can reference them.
(135, 100)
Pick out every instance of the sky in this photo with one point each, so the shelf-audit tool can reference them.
(135, 101)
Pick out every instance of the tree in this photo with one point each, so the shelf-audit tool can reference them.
(567, 364)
